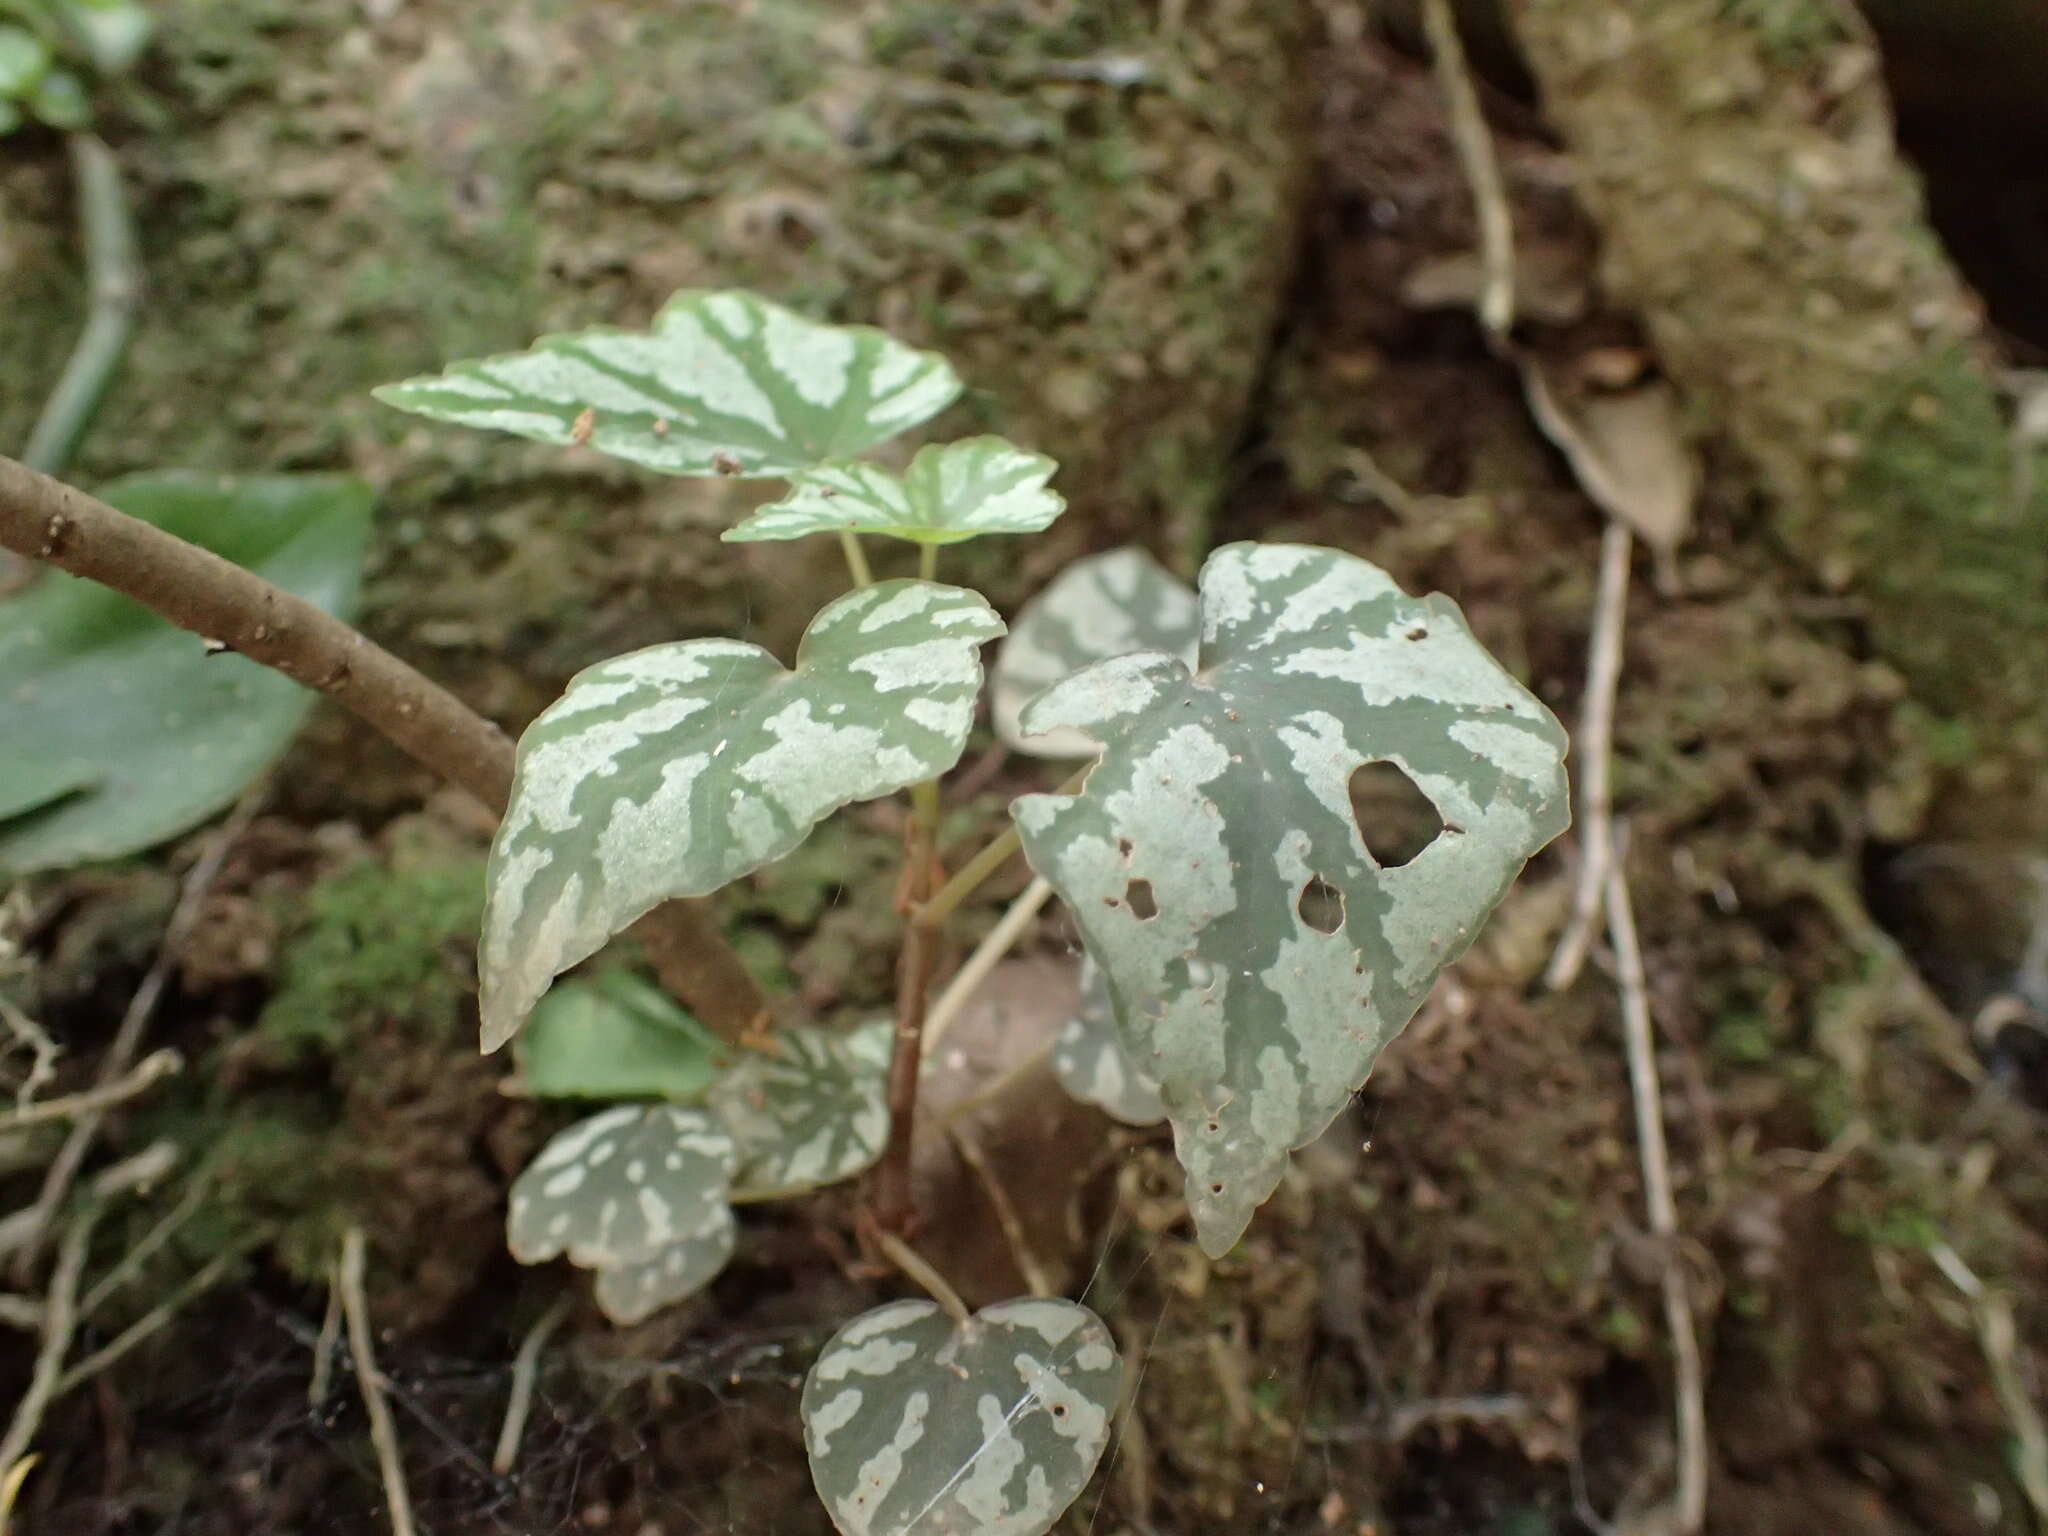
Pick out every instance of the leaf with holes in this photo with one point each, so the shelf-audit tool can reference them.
(632, 1293)
(724, 384)
(950, 493)
(1107, 606)
(918, 1427)
(1090, 1061)
(623, 1187)
(616, 1037)
(1258, 956)
(814, 1114)
(670, 771)
(119, 730)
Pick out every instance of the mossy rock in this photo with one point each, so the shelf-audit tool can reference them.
(1088, 208)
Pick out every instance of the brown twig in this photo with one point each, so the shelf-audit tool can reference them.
(895, 1206)
(1482, 170)
(152, 1070)
(218, 600)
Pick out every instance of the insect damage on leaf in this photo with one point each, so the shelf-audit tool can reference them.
(1258, 957)
(672, 770)
(723, 383)
(917, 1426)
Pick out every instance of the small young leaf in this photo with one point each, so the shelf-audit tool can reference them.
(623, 1187)
(632, 1293)
(112, 32)
(1090, 1061)
(916, 1427)
(724, 383)
(814, 1114)
(616, 1037)
(951, 492)
(59, 99)
(1258, 956)
(670, 771)
(24, 60)
(126, 730)
(1106, 606)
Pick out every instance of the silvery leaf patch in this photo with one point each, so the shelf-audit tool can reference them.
(812, 1112)
(1258, 957)
(632, 1293)
(670, 771)
(1090, 1062)
(723, 384)
(1106, 606)
(614, 1036)
(623, 1187)
(951, 492)
(918, 1427)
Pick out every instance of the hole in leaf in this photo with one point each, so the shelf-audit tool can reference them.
(1139, 894)
(1395, 818)
(1321, 906)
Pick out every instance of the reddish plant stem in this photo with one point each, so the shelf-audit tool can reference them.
(218, 600)
(895, 1205)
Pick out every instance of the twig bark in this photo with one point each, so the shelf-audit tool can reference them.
(197, 590)
(355, 1307)
(1596, 758)
(1690, 1501)
(60, 1320)
(152, 1070)
(114, 285)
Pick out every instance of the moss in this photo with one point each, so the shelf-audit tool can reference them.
(1793, 34)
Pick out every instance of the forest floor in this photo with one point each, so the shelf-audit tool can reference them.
(1448, 1321)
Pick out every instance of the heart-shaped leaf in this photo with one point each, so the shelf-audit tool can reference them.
(724, 384)
(127, 731)
(1089, 1059)
(1258, 956)
(918, 1427)
(951, 492)
(623, 1187)
(616, 1037)
(1108, 605)
(670, 771)
(632, 1293)
(812, 1113)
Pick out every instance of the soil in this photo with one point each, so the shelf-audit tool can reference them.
(1448, 1319)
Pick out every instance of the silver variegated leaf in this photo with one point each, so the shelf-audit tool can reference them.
(724, 383)
(1105, 606)
(951, 492)
(670, 771)
(1089, 1060)
(813, 1112)
(918, 1427)
(1258, 957)
(623, 1187)
(632, 1293)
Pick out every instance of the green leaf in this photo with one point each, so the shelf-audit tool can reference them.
(623, 1187)
(1089, 1059)
(918, 1427)
(632, 1293)
(814, 1114)
(113, 33)
(59, 99)
(10, 117)
(725, 383)
(1106, 606)
(148, 733)
(24, 60)
(951, 492)
(616, 1037)
(1257, 955)
(670, 771)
